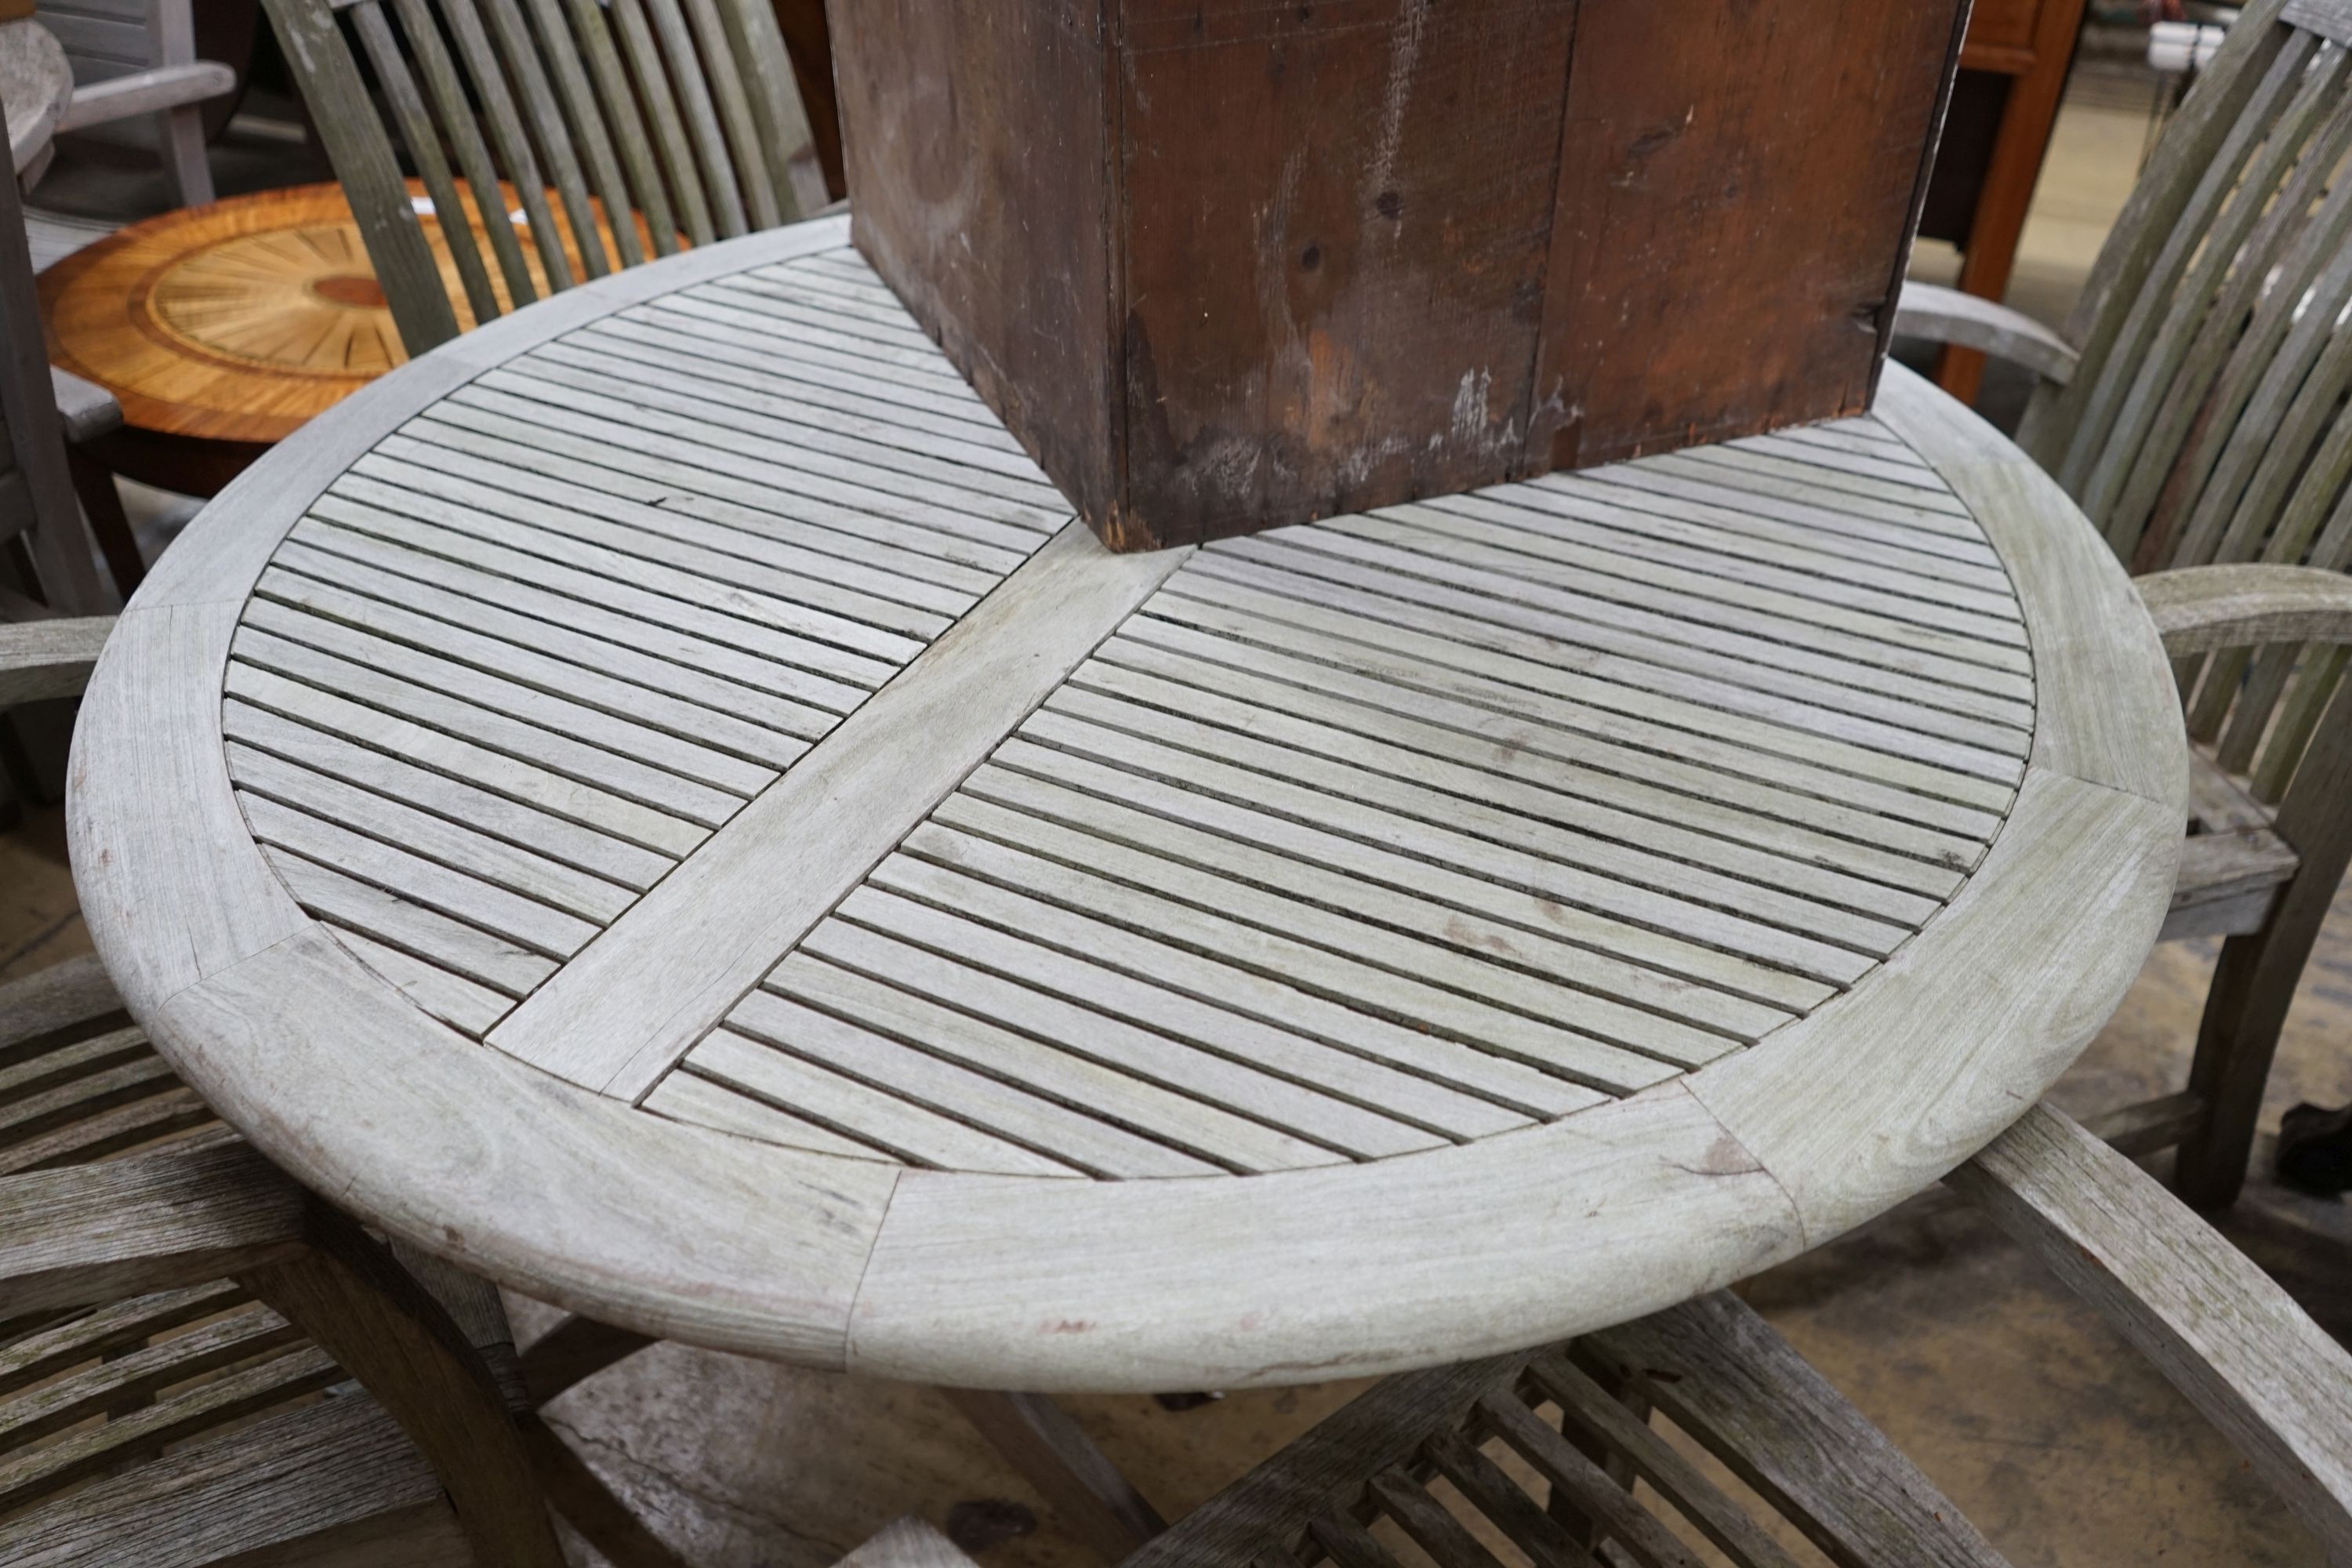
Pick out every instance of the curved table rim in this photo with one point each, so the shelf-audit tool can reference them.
(1014, 1282)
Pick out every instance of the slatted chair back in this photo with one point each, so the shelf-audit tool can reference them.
(38, 506)
(588, 135)
(2201, 421)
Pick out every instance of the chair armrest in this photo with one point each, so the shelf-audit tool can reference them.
(145, 92)
(1943, 315)
(2200, 608)
(48, 658)
(2220, 1329)
(84, 407)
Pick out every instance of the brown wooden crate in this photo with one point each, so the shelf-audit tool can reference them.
(1223, 266)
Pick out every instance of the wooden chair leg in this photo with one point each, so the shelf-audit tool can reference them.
(349, 1295)
(101, 502)
(1038, 1438)
(2254, 987)
(588, 1505)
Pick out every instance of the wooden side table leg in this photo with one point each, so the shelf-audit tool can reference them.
(101, 502)
(1038, 1438)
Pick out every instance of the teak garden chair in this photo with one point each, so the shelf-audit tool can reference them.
(1535, 1455)
(171, 1308)
(2193, 404)
(671, 122)
(133, 59)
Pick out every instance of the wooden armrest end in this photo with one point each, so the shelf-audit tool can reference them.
(1943, 315)
(2200, 608)
(49, 658)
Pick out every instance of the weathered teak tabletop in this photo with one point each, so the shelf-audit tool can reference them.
(654, 802)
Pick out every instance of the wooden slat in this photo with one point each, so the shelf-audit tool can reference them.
(466, 951)
(1731, 1382)
(620, 1016)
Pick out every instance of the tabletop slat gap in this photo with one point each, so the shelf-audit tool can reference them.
(940, 546)
(1476, 736)
(1129, 819)
(1090, 1049)
(1781, 496)
(1471, 1047)
(1944, 768)
(1168, 1123)
(1579, 1013)
(1755, 922)
(712, 747)
(733, 588)
(895, 576)
(694, 425)
(575, 893)
(272, 624)
(775, 399)
(1714, 801)
(587, 446)
(464, 950)
(536, 419)
(1626, 961)
(706, 1102)
(807, 361)
(823, 1093)
(1803, 560)
(1392, 1070)
(1827, 488)
(878, 1043)
(837, 669)
(1803, 637)
(1807, 470)
(884, 561)
(444, 994)
(1658, 652)
(1967, 625)
(800, 331)
(456, 895)
(1654, 486)
(722, 707)
(640, 336)
(642, 828)
(521, 824)
(1290, 1082)
(1785, 444)
(814, 701)
(1682, 938)
(577, 365)
(1867, 810)
(550, 750)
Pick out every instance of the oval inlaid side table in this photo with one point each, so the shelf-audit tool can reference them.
(657, 801)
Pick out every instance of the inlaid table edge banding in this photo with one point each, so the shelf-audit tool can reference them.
(693, 1233)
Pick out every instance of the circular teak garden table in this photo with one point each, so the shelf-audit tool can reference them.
(224, 329)
(656, 802)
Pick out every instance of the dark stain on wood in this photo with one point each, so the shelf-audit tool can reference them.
(1223, 266)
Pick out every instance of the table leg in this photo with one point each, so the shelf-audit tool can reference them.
(1038, 1438)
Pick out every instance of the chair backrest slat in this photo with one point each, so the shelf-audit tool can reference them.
(417, 130)
(626, 124)
(578, 136)
(2206, 420)
(488, 78)
(586, 122)
(453, 106)
(2163, 190)
(2114, 420)
(767, 75)
(535, 103)
(701, 118)
(670, 142)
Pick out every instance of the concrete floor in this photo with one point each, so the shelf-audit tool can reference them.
(2044, 1428)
